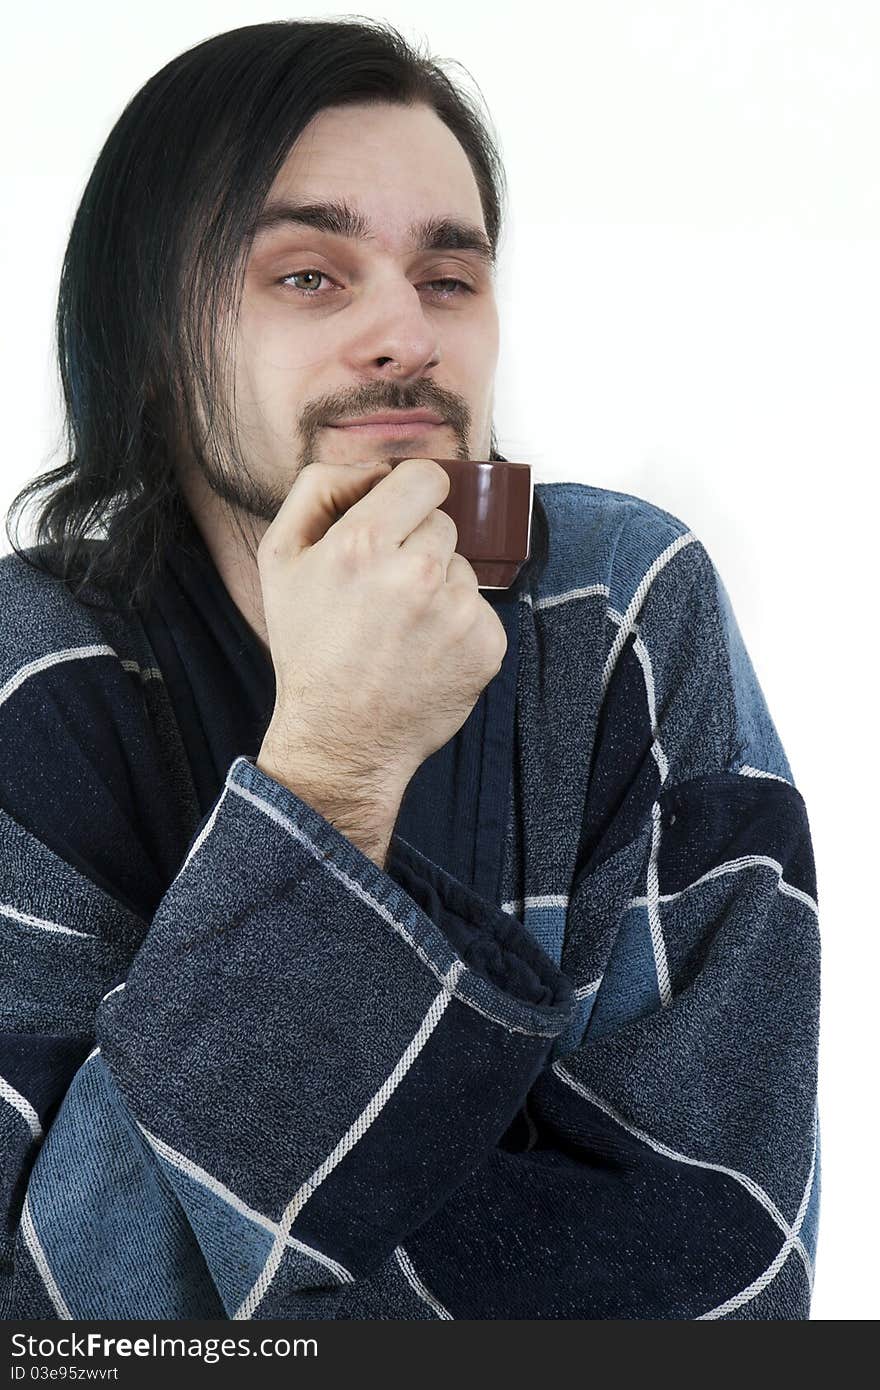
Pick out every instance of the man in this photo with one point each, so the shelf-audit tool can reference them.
(373, 947)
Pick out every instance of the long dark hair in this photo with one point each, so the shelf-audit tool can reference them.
(157, 251)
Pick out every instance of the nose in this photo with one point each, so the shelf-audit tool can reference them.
(400, 342)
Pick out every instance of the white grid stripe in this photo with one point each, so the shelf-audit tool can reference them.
(588, 591)
(379, 908)
(415, 1282)
(44, 924)
(746, 771)
(641, 651)
(45, 663)
(205, 1179)
(584, 991)
(802, 897)
(38, 1255)
(209, 826)
(23, 1106)
(516, 905)
(653, 904)
(791, 1241)
(146, 673)
(354, 1132)
(753, 1188)
(745, 861)
(638, 599)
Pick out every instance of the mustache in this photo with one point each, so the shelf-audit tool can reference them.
(421, 396)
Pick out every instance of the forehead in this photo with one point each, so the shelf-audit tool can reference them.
(388, 170)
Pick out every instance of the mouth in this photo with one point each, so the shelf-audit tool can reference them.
(389, 430)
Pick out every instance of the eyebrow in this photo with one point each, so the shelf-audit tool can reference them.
(341, 219)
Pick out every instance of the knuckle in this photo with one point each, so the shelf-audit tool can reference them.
(461, 609)
(461, 572)
(497, 643)
(449, 526)
(492, 638)
(426, 570)
(358, 542)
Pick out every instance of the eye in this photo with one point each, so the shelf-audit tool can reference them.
(312, 293)
(300, 275)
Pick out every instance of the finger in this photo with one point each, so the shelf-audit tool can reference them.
(438, 536)
(460, 571)
(320, 495)
(402, 500)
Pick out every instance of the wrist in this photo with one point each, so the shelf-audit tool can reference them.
(363, 809)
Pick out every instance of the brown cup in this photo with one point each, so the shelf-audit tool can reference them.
(490, 501)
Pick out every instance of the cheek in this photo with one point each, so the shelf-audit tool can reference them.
(483, 329)
(266, 330)
(475, 345)
(272, 345)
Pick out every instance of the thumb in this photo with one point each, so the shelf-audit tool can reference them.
(320, 495)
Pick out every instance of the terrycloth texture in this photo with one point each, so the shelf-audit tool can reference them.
(303, 1087)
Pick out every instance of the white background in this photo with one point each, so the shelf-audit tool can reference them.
(689, 296)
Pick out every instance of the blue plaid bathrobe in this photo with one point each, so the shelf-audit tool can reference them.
(301, 1086)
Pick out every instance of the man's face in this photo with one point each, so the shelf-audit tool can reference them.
(325, 316)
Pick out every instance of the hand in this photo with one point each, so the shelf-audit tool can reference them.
(380, 639)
